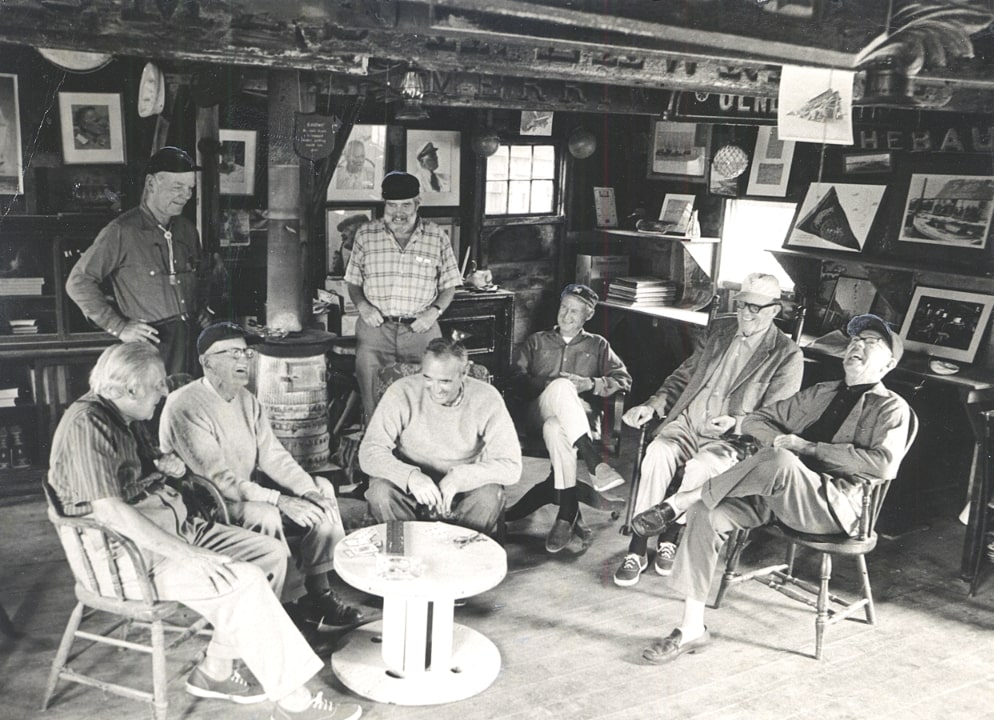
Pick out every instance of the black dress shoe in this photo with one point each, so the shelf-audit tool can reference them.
(670, 648)
(654, 520)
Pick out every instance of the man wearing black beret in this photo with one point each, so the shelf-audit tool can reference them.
(402, 276)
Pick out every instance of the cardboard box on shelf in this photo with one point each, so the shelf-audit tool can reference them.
(597, 270)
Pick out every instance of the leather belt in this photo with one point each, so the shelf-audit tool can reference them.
(182, 317)
(399, 319)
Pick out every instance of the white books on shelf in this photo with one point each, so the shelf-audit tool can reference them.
(21, 286)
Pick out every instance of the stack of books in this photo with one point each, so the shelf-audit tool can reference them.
(641, 291)
(8, 396)
(25, 326)
(21, 285)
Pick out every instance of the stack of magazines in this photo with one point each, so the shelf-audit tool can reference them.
(641, 291)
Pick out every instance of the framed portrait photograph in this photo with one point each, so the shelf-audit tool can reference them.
(235, 229)
(679, 150)
(946, 323)
(433, 158)
(360, 169)
(11, 160)
(340, 229)
(771, 163)
(92, 128)
(236, 168)
(835, 216)
(952, 211)
(677, 212)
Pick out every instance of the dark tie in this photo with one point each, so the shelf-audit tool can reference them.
(433, 181)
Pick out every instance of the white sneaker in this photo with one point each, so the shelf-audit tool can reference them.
(665, 554)
(630, 570)
(606, 478)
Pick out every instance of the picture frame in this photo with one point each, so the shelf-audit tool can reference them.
(950, 211)
(11, 158)
(235, 230)
(677, 211)
(946, 323)
(361, 167)
(536, 122)
(851, 296)
(340, 226)
(873, 163)
(236, 166)
(679, 151)
(92, 128)
(450, 226)
(771, 163)
(440, 148)
(836, 216)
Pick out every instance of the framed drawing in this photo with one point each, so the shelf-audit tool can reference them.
(679, 150)
(11, 160)
(92, 128)
(433, 158)
(677, 211)
(235, 231)
(946, 323)
(340, 229)
(360, 169)
(952, 211)
(770, 164)
(835, 216)
(236, 168)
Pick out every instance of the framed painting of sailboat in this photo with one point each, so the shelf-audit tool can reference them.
(951, 211)
(679, 151)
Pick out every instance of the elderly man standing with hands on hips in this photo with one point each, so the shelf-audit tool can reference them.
(221, 431)
(746, 362)
(151, 255)
(814, 444)
(402, 276)
(558, 373)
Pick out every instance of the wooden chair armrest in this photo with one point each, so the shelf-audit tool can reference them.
(220, 509)
(868, 483)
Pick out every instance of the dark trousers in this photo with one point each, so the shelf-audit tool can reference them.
(177, 345)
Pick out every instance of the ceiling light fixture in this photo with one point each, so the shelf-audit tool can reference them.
(412, 92)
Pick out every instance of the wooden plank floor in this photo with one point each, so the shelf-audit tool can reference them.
(571, 641)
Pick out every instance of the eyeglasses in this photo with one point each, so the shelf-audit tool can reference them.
(754, 308)
(236, 352)
(867, 340)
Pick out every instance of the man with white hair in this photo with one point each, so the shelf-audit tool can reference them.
(745, 363)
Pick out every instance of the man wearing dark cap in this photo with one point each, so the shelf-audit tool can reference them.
(401, 277)
(151, 256)
(814, 443)
(427, 171)
(220, 431)
(559, 373)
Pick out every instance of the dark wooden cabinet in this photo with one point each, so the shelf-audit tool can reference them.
(484, 322)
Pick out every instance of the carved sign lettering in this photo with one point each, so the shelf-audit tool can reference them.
(948, 140)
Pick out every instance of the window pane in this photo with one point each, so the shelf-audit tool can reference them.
(541, 196)
(497, 164)
(519, 197)
(496, 203)
(544, 162)
(521, 162)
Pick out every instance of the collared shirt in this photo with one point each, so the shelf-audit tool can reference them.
(131, 252)
(827, 425)
(712, 400)
(402, 281)
(94, 456)
(545, 354)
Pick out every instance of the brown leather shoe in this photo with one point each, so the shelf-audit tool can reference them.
(562, 532)
(654, 520)
(670, 648)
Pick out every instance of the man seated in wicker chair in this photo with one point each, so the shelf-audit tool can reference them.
(222, 432)
(814, 443)
(230, 576)
(440, 445)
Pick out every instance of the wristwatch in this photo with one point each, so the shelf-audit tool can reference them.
(437, 307)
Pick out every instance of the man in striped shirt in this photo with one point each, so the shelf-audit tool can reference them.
(402, 276)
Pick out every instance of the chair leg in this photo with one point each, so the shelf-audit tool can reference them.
(822, 618)
(871, 615)
(60, 657)
(789, 561)
(736, 545)
(160, 697)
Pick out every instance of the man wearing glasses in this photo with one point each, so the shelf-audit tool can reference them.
(813, 443)
(745, 363)
(220, 431)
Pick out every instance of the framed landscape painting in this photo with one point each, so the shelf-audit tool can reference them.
(952, 211)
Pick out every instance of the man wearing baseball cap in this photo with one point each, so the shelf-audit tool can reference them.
(402, 276)
(745, 363)
(559, 374)
(221, 431)
(151, 256)
(813, 446)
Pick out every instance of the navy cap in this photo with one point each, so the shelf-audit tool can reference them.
(400, 186)
(427, 150)
(583, 292)
(222, 331)
(871, 322)
(171, 159)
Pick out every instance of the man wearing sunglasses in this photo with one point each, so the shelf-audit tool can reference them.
(745, 363)
(814, 445)
(220, 431)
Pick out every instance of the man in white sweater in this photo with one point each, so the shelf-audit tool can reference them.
(440, 445)
(219, 429)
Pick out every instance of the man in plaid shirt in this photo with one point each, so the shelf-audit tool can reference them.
(402, 276)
